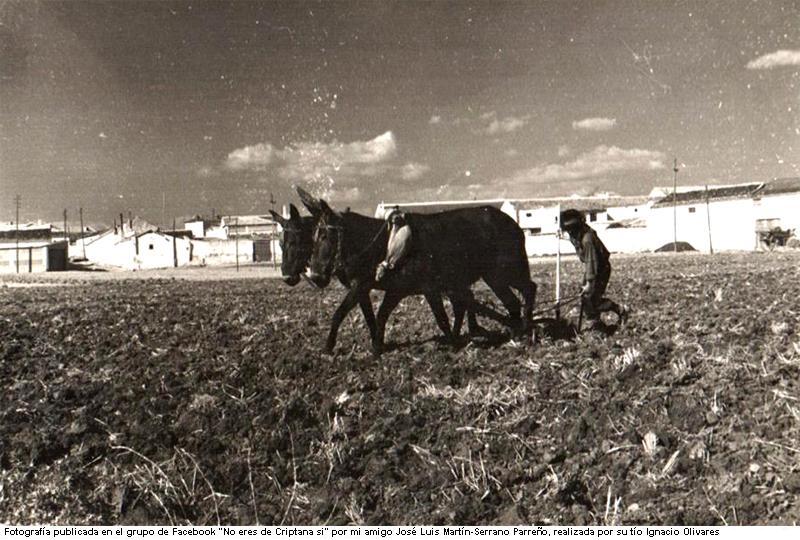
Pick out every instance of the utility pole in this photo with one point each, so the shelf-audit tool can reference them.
(236, 231)
(66, 234)
(17, 202)
(83, 233)
(272, 238)
(708, 221)
(163, 211)
(174, 246)
(675, 205)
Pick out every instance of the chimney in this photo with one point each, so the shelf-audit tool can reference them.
(115, 225)
(130, 220)
(285, 211)
(121, 224)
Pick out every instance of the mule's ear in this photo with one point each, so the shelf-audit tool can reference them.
(293, 213)
(327, 210)
(310, 202)
(277, 217)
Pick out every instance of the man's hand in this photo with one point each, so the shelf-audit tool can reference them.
(586, 289)
(381, 270)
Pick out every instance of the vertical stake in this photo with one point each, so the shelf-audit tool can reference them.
(558, 261)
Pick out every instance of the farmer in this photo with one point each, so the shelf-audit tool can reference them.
(597, 268)
(399, 242)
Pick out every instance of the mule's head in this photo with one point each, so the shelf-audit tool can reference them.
(327, 246)
(296, 244)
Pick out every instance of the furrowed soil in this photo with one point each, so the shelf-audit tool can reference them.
(154, 401)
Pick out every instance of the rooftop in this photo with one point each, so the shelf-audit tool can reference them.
(716, 193)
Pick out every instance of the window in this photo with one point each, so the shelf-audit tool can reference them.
(150, 246)
(527, 214)
(691, 209)
(535, 230)
(592, 216)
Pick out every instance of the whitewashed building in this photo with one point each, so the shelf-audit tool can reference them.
(205, 228)
(719, 217)
(777, 205)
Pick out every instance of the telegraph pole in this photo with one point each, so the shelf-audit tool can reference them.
(675, 205)
(708, 221)
(66, 236)
(83, 233)
(237, 243)
(272, 239)
(174, 246)
(17, 201)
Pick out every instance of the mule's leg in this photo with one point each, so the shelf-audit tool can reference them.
(369, 316)
(353, 297)
(390, 301)
(528, 291)
(439, 313)
(459, 309)
(510, 301)
(464, 300)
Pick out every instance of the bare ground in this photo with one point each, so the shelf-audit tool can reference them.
(206, 400)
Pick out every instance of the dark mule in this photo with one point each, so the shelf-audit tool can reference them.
(450, 251)
(297, 245)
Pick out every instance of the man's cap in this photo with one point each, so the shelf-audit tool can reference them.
(395, 214)
(572, 218)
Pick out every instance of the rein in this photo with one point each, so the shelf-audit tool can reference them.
(339, 259)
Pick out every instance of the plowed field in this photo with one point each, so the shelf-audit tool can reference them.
(149, 401)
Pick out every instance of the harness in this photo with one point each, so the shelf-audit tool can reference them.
(338, 257)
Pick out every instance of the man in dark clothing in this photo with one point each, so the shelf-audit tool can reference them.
(597, 268)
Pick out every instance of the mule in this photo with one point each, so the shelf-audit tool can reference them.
(297, 245)
(450, 251)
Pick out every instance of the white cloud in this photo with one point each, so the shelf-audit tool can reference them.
(435, 119)
(315, 160)
(413, 171)
(595, 124)
(776, 59)
(333, 170)
(256, 157)
(489, 123)
(600, 161)
(506, 125)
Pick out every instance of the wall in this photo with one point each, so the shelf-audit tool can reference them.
(213, 252)
(785, 208)
(630, 240)
(31, 259)
(111, 250)
(732, 225)
(156, 251)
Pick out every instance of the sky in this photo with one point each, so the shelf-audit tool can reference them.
(168, 109)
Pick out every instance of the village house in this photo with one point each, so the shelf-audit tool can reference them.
(205, 228)
(246, 239)
(718, 217)
(137, 245)
(30, 248)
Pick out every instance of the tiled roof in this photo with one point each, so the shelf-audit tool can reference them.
(714, 193)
